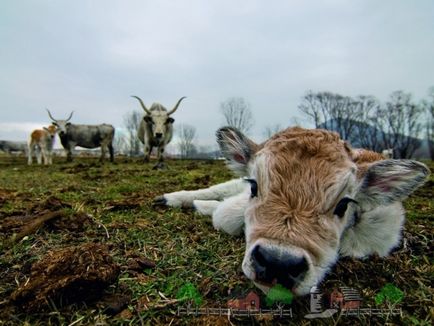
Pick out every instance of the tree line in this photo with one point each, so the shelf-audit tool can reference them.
(400, 123)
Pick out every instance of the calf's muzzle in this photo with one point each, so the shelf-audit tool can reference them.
(274, 267)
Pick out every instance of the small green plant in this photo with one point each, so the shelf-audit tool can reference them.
(279, 295)
(390, 294)
(189, 293)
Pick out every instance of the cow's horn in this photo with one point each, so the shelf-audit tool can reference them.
(176, 106)
(70, 116)
(51, 117)
(142, 104)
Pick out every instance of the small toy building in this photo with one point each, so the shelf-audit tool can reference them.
(345, 298)
(250, 302)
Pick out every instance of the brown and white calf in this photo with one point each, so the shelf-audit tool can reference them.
(42, 140)
(307, 199)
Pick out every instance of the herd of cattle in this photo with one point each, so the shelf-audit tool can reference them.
(155, 130)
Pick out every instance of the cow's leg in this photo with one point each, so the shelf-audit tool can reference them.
(30, 154)
(38, 154)
(44, 155)
(50, 157)
(160, 159)
(110, 148)
(218, 192)
(103, 152)
(69, 150)
(147, 149)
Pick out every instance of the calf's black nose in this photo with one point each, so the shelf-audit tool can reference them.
(272, 266)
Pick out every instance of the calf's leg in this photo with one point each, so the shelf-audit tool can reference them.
(227, 215)
(218, 192)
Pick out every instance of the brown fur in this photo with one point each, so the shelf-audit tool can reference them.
(38, 134)
(304, 167)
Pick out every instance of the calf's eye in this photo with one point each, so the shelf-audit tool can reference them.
(253, 187)
(342, 206)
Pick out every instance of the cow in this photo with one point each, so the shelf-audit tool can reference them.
(87, 136)
(305, 200)
(156, 129)
(43, 141)
(387, 153)
(10, 146)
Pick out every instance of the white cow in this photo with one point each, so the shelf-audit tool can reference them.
(156, 129)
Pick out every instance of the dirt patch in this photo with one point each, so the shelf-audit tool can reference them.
(203, 181)
(6, 195)
(52, 203)
(137, 262)
(17, 227)
(71, 275)
(123, 205)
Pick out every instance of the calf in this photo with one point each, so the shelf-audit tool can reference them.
(42, 140)
(307, 198)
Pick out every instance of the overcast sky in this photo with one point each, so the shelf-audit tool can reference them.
(90, 56)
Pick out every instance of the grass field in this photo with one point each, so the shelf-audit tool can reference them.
(126, 260)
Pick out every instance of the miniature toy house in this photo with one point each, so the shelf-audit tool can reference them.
(250, 302)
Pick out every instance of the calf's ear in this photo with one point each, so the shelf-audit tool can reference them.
(391, 180)
(236, 147)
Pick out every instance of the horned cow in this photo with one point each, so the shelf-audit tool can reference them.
(42, 140)
(307, 199)
(156, 129)
(87, 136)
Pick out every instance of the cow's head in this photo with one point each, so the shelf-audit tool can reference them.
(312, 198)
(60, 124)
(51, 130)
(158, 118)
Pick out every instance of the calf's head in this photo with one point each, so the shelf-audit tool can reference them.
(51, 130)
(313, 198)
(61, 124)
(158, 119)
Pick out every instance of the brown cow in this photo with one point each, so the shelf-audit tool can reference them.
(309, 198)
(43, 140)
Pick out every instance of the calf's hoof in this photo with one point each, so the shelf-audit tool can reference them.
(160, 166)
(160, 201)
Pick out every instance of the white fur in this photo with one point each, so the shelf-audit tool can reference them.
(378, 231)
(229, 215)
(205, 207)
(218, 192)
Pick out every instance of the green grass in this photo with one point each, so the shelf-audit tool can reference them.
(183, 244)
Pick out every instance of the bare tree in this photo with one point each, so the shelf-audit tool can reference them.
(331, 111)
(312, 108)
(237, 113)
(120, 143)
(369, 132)
(271, 130)
(132, 121)
(187, 135)
(401, 120)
